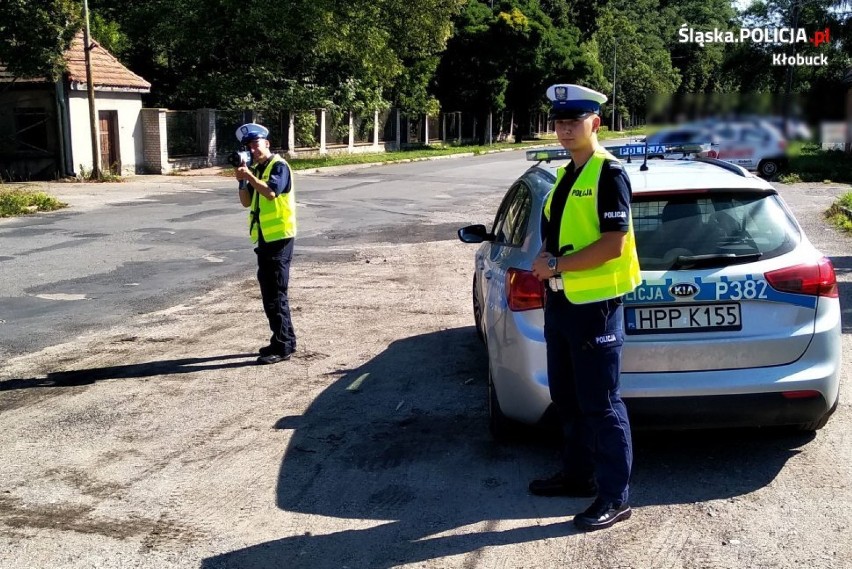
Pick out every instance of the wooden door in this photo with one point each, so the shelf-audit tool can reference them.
(108, 127)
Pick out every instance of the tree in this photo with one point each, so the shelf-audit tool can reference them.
(35, 33)
(643, 64)
(284, 54)
(507, 57)
(536, 54)
(419, 31)
(817, 87)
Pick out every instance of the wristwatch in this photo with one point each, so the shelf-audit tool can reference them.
(552, 263)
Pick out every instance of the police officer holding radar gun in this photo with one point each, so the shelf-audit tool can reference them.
(266, 187)
(588, 261)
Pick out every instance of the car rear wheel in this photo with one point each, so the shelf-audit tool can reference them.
(768, 168)
(477, 311)
(501, 427)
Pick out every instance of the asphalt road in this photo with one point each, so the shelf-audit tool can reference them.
(135, 247)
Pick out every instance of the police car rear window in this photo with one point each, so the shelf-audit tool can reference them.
(723, 224)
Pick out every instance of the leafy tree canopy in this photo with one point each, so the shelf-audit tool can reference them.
(35, 33)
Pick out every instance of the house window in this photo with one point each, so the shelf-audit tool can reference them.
(31, 129)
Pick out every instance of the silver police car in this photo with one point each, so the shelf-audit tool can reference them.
(736, 321)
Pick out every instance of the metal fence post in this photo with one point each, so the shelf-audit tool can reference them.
(426, 129)
(376, 129)
(398, 133)
(351, 147)
(291, 134)
(322, 148)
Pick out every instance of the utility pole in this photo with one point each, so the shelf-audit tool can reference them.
(93, 124)
(614, 67)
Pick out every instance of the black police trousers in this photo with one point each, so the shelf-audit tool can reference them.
(273, 274)
(584, 344)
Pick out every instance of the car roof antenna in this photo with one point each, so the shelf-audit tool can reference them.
(644, 166)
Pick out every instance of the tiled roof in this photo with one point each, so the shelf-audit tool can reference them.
(108, 74)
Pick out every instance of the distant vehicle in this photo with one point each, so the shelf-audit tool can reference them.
(736, 322)
(796, 129)
(754, 145)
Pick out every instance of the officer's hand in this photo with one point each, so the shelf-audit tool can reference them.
(539, 267)
(243, 173)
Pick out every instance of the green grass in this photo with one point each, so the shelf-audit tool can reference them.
(605, 134)
(809, 163)
(15, 201)
(840, 213)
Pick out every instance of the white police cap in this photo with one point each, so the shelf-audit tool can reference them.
(251, 131)
(569, 101)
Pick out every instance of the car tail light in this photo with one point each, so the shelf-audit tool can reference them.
(523, 290)
(804, 394)
(816, 279)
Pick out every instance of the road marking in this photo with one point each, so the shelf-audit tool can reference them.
(356, 385)
(62, 296)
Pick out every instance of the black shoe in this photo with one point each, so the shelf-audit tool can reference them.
(273, 358)
(563, 485)
(601, 515)
(266, 350)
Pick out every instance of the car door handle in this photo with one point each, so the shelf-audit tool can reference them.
(487, 274)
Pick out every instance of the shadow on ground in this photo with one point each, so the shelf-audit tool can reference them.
(401, 444)
(79, 377)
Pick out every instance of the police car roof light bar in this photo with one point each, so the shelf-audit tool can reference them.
(548, 154)
(655, 150)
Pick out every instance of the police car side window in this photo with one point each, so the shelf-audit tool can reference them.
(754, 136)
(519, 215)
(499, 231)
(726, 134)
(513, 216)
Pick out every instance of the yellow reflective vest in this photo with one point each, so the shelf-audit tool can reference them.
(277, 218)
(580, 227)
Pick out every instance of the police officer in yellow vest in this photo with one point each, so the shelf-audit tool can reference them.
(588, 261)
(266, 188)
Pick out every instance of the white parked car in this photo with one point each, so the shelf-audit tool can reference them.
(754, 145)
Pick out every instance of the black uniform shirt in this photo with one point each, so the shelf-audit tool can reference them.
(614, 195)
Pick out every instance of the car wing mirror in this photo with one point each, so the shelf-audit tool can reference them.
(475, 234)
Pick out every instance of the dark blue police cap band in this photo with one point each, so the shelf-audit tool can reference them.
(556, 114)
(573, 109)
